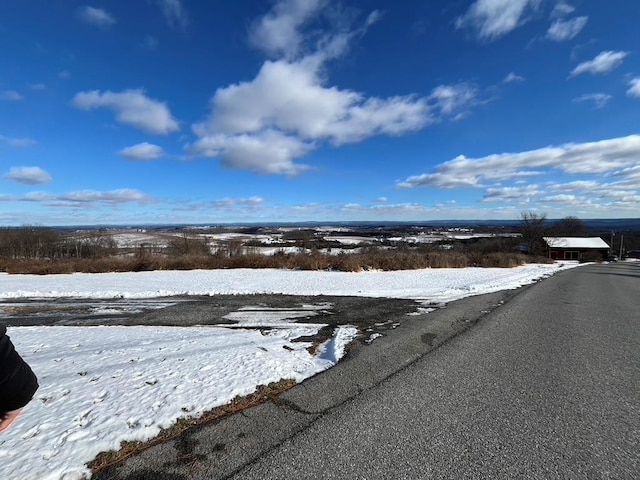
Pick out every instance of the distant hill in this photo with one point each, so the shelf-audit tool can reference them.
(594, 225)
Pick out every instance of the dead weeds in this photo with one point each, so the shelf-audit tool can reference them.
(263, 394)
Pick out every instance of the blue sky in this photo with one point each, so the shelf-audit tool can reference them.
(194, 111)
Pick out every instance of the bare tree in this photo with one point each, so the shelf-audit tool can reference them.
(569, 227)
(186, 244)
(533, 227)
(29, 242)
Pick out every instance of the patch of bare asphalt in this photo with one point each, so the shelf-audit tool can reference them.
(75, 311)
(370, 315)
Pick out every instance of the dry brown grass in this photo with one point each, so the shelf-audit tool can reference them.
(354, 262)
(263, 394)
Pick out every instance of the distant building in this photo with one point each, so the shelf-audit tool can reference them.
(574, 248)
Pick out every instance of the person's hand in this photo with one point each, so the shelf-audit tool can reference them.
(8, 418)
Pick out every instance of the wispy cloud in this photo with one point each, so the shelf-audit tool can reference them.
(11, 96)
(121, 196)
(96, 16)
(142, 151)
(278, 32)
(593, 158)
(233, 203)
(28, 176)
(513, 78)
(174, 12)
(561, 31)
(132, 107)
(561, 9)
(634, 87)
(588, 197)
(582, 196)
(600, 100)
(17, 142)
(453, 100)
(150, 42)
(89, 198)
(521, 194)
(608, 168)
(492, 19)
(605, 62)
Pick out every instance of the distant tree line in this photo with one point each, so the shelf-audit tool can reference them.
(33, 242)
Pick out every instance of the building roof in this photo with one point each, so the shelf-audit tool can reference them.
(577, 242)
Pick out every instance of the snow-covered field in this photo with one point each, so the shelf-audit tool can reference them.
(100, 386)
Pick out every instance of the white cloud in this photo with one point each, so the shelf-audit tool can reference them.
(513, 78)
(234, 203)
(283, 95)
(575, 186)
(17, 142)
(269, 152)
(35, 197)
(174, 12)
(288, 103)
(10, 96)
(96, 16)
(89, 198)
(521, 194)
(453, 100)
(122, 196)
(634, 87)
(38, 86)
(64, 75)
(291, 97)
(603, 63)
(602, 157)
(250, 202)
(600, 100)
(132, 107)
(561, 9)
(293, 29)
(585, 196)
(492, 19)
(142, 151)
(28, 176)
(278, 32)
(561, 31)
(563, 198)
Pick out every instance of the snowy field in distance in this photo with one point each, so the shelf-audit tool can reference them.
(100, 386)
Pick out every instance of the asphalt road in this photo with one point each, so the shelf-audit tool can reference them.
(546, 384)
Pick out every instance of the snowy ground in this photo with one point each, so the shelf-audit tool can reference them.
(100, 386)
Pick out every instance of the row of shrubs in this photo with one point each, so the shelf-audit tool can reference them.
(371, 260)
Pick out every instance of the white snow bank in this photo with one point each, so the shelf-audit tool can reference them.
(100, 386)
(442, 284)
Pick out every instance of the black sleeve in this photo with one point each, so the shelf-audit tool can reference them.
(18, 383)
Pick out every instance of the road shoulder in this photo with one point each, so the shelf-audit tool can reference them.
(220, 449)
